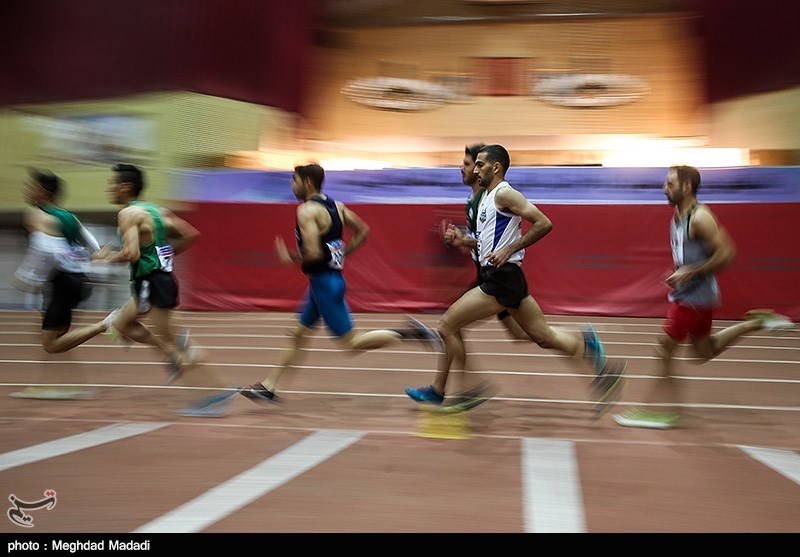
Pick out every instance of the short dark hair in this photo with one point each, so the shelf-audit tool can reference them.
(130, 174)
(313, 171)
(472, 150)
(497, 153)
(47, 180)
(690, 173)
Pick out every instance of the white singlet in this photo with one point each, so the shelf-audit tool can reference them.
(496, 229)
(48, 254)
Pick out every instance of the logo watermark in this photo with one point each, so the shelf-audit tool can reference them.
(17, 514)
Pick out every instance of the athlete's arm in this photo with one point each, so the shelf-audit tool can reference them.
(356, 225)
(88, 240)
(180, 233)
(510, 200)
(284, 255)
(310, 231)
(129, 220)
(704, 227)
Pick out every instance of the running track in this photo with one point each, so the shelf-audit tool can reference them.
(345, 452)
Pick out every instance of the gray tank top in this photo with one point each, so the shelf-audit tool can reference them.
(702, 291)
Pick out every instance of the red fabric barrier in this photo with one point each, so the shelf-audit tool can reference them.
(598, 260)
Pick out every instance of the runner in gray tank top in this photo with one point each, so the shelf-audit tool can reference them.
(700, 248)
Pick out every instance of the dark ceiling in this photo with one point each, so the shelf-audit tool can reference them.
(363, 13)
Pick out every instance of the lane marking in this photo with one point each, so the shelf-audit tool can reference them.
(786, 463)
(230, 496)
(73, 443)
(552, 500)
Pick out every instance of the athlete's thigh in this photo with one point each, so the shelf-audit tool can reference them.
(308, 313)
(67, 289)
(531, 318)
(127, 314)
(472, 306)
(329, 292)
(703, 346)
(161, 320)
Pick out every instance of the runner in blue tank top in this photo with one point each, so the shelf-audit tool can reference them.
(321, 253)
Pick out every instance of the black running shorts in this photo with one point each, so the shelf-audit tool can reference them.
(63, 294)
(158, 289)
(506, 283)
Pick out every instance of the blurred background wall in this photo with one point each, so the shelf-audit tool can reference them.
(209, 86)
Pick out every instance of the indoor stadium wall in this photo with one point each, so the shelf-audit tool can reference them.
(608, 253)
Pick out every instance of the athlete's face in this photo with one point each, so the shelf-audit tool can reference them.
(299, 187)
(468, 176)
(34, 193)
(673, 189)
(116, 189)
(484, 170)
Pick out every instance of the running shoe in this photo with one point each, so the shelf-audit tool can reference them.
(113, 333)
(108, 322)
(636, 417)
(608, 387)
(174, 367)
(472, 397)
(594, 348)
(182, 340)
(176, 361)
(215, 406)
(424, 395)
(420, 331)
(259, 393)
(55, 393)
(770, 320)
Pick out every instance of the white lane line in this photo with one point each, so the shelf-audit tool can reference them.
(248, 486)
(74, 443)
(783, 462)
(552, 500)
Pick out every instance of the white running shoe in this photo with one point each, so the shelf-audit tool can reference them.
(635, 417)
(770, 320)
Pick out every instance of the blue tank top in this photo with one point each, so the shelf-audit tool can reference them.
(331, 242)
(702, 291)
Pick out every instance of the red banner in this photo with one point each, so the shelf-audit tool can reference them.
(598, 260)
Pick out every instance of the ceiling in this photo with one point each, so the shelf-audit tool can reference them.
(367, 13)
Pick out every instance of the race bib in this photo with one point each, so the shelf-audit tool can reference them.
(74, 260)
(337, 254)
(165, 255)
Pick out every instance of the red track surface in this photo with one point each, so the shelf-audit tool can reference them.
(392, 478)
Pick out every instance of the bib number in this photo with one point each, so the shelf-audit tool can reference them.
(337, 254)
(165, 255)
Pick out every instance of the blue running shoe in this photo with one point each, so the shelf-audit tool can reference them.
(425, 395)
(594, 348)
(215, 406)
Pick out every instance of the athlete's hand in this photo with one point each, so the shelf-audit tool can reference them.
(282, 251)
(499, 258)
(102, 253)
(443, 226)
(682, 275)
(454, 236)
